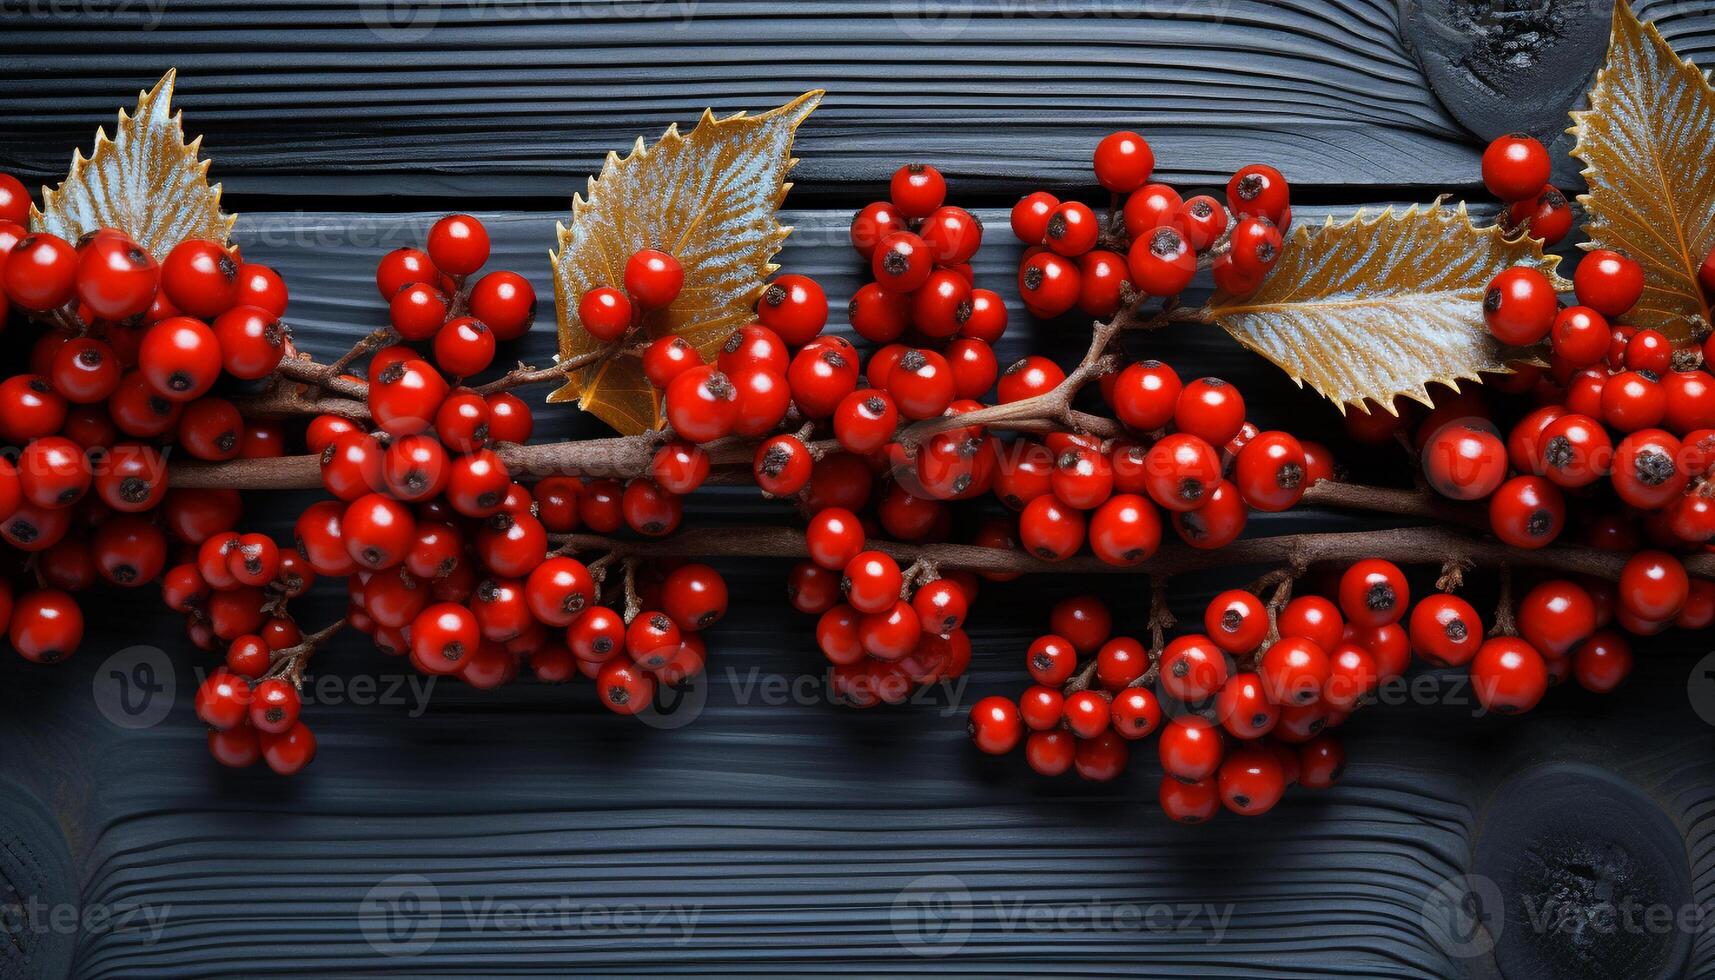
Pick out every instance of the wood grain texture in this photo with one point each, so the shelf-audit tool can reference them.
(493, 100)
(778, 834)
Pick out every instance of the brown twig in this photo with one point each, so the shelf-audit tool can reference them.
(290, 661)
(1410, 545)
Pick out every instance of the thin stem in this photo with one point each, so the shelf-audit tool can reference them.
(1411, 545)
(290, 662)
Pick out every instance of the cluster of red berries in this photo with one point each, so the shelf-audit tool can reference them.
(1238, 718)
(1622, 426)
(124, 361)
(883, 634)
(652, 279)
(1076, 259)
(446, 558)
(1516, 169)
(429, 299)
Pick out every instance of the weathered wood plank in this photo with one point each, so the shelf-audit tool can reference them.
(498, 100)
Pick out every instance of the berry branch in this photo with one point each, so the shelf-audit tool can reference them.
(1417, 545)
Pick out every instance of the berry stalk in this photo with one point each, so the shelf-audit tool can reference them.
(1417, 545)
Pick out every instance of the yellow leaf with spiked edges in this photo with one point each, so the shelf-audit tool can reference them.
(710, 199)
(145, 181)
(1648, 140)
(1382, 305)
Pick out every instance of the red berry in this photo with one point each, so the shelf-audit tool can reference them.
(402, 267)
(200, 278)
(820, 378)
(1123, 162)
(443, 636)
(917, 189)
(872, 224)
(1073, 229)
(902, 262)
(378, 532)
(995, 725)
(1203, 221)
(274, 707)
(506, 302)
(952, 234)
(1050, 530)
(1145, 395)
(1580, 336)
(464, 346)
(1256, 247)
(1608, 282)
(1182, 472)
(1150, 206)
(605, 313)
(795, 308)
(1190, 748)
(1527, 512)
(1236, 621)
(1520, 306)
(877, 314)
(1294, 670)
(1547, 216)
(1162, 262)
(458, 244)
(1192, 668)
(1083, 620)
(1050, 753)
(1374, 592)
(1647, 473)
(1135, 713)
(1251, 782)
(653, 278)
(406, 396)
(1259, 191)
(40, 272)
(1515, 167)
(115, 278)
(1049, 283)
(940, 306)
(1633, 400)
(1189, 802)
(1508, 675)
(1601, 662)
(1243, 707)
(1445, 630)
(1028, 377)
(1125, 530)
(1030, 217)
(14, 200)
(1653, 586)
(223, 700)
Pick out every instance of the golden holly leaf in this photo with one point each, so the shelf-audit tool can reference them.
(1382, 304)
(710, 199)
(146, 181)
(1648, 140)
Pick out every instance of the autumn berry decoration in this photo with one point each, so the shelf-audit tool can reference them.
(1151, 242)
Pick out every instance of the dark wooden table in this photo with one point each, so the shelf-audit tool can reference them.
(528, 831)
